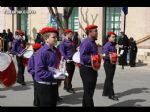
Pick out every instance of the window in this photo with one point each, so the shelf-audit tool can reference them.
(22, 20)
(113, 19)
(74, 20)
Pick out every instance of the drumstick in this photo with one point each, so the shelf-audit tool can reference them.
(24, 50)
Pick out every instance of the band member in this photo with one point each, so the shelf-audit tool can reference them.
(123, 42)
(17, 49)
(88, 75)
(31, 70)
(109, 65)
(67, 49)
(46, 57)
(39, 39)
(133, 52)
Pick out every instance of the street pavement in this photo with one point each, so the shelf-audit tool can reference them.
(132, 85)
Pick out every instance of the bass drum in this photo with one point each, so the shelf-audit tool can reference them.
(7, 70)
(27, 54)
(76, 58)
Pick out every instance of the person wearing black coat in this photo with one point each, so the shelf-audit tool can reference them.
(123, 42)
(5, 38)
(133, 52)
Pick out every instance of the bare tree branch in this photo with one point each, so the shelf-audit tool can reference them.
(70, 11)
(85, 17)
(82, 15)
(94, 19)
(51, 11)
(56, 17)
(56, 11)
(67, 13)
(81, 27)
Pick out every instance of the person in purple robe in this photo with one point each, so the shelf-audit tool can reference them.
(67, 49)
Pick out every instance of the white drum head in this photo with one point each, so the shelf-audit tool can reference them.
(76, 57)
(5, 61)
(28, 53)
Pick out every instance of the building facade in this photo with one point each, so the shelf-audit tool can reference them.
(107, 19)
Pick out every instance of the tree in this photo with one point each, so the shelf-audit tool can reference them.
(85, 18)
(67, 13)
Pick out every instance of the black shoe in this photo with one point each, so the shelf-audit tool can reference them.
(113, 98)
(59, 99)
(22, 83)
(19, 82)
(71, 91)
(65, 88)
(132, 65)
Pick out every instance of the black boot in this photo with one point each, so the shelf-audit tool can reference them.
(71, 90)
(113, 98)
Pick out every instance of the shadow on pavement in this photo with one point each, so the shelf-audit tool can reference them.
(77, 97)
(78, 88)
(72, 98)
(140, 63)
(2, 96)
(19, 87)
(132, 91)
(129, 103)
(99, 86)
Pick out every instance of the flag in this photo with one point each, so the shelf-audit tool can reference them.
(125, 10)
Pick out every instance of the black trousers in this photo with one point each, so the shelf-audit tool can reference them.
(47, 95)
(70, 68)
(35, 100)
(123, 58)
(89, 79)
(5, 46)
(132, 58)
(21, 68)
(108, 85)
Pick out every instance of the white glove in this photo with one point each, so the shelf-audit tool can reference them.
(66, 74)
(59, 76)
(121, 52)
(120, 46)
(19, 55)
(103, 55)
(68, 61)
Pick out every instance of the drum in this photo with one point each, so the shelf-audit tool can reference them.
(7, 70)
(26, 55)
(96, 62)
(113, 57)
(76, 58)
